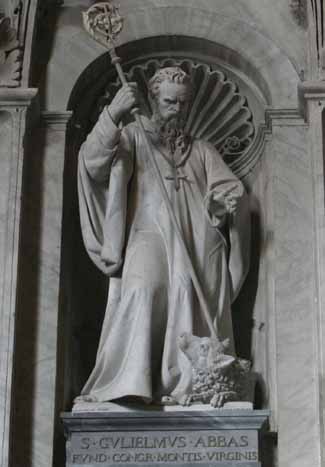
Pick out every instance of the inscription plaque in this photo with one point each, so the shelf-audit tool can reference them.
(164, 439)
(176, 447)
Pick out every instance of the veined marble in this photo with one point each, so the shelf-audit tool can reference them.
(288, 191)
(38, 305)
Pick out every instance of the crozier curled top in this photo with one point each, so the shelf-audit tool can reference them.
(103, 22)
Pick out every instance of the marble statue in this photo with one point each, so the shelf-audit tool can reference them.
(129, 236)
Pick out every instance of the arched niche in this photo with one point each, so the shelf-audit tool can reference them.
(236, 41)
(85, 288)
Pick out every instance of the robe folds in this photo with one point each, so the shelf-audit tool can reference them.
(129, 236)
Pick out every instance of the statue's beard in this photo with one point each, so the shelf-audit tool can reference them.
(171, 132)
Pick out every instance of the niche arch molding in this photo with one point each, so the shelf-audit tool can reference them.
(256, 56)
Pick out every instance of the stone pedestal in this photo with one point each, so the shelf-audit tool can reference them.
(204, 438)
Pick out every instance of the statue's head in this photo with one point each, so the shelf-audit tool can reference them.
(169, 93)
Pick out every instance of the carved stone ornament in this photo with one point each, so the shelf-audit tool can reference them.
(103, 22)
(219, 112)
(217, 378)
(10, 55)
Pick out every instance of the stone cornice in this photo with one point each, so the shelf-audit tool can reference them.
(180, 420)
(56, 119)
(17, 96)
(283, 117)
(310, 91)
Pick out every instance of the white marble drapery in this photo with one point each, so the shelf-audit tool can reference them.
(151, 298)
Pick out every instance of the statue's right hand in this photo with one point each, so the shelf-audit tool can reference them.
(124, 100)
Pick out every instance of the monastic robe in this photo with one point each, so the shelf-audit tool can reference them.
(129, 235)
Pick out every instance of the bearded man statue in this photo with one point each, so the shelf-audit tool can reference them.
(130, 237)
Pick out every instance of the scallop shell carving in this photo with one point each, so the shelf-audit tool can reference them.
(219, 113)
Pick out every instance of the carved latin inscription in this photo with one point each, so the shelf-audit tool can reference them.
(164, 447)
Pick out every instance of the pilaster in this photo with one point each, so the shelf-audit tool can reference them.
(312, 104)
(14, 116)
(292, 316)
(36, 350)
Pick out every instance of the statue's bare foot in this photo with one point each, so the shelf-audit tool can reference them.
(85, 398)
(184, 400)
(168, 400)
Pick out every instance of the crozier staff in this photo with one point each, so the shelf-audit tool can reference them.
(129, 235)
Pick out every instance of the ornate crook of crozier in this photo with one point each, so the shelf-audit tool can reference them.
(103, 22)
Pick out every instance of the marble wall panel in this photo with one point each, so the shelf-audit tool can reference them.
(6, 138)
(291, 179)
(260, 280)
(297, 438)
(314, 110)
(13, 109)
(38, 301)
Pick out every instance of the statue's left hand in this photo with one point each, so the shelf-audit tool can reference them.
(226, 201)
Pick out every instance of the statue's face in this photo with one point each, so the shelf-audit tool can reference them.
(172, 100)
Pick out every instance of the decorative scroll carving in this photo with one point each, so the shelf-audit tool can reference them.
(299, 11)
(219, 113)
(10, 54)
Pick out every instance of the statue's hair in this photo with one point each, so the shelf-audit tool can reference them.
(173, 74)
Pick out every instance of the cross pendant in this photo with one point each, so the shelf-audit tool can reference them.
(176, 177)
